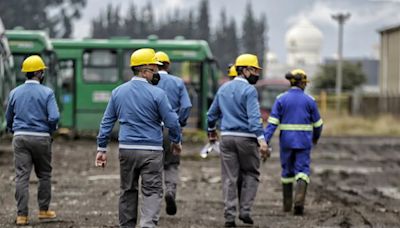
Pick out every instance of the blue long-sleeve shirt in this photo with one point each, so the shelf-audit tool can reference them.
(32, 110)
(177, 94)
(296, 113)
(140, 108)
(236, 105)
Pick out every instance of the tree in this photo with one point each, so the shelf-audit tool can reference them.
(146, 24)
(190, 30)
(109, 23)
(55, 16)
(203, 27)
(130, 22)
(353, 76)
(253, 36)
(225, 42)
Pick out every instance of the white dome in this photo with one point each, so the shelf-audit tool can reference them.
(271, 57)
(303, 43)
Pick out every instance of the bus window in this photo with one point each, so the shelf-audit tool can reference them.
(268, 95)
(67, 69)
(18, 59)
(51, 71)
(100, 66)
(127, 73)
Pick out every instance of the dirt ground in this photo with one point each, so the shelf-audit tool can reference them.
(354, 183)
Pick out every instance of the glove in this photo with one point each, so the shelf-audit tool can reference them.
(264, 150)
(176, 148)
(212, 136)
(315, 141)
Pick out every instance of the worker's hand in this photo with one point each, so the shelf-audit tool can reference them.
(176, 148)
(315, 142)
(212, 136)
(264, 150)
(101, 159)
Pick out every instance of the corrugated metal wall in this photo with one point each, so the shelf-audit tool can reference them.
(390, 62)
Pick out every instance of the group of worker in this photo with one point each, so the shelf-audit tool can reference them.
(244, 143)
(152, 108)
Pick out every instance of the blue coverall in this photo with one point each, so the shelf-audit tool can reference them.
(296, 114)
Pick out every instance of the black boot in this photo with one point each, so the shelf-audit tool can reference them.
(171, 204)
(287, 190)
(300, 196)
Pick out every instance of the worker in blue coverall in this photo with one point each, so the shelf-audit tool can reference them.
(140, 108)
(296, 114)
(179, 99)
(242, 140)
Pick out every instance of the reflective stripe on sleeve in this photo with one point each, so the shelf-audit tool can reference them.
(273, 120)
(296, 127)
(318, 123)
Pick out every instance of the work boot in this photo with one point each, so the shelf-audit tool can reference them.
(171, 204)
(287, 192)
(21, 220)
(230, 224)
(47, 214)
(300, 196)
(246, 219)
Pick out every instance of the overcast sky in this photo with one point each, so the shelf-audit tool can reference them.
(360, 36)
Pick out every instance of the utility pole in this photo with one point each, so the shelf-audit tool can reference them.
(341, 19)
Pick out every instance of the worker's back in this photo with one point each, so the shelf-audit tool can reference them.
(236, 100)
(137, 105)
(296, 111)
(34, 108)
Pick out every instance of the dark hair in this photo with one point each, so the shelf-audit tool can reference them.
(30, 75)
(164, 66)
(239, 69)
(135, 70)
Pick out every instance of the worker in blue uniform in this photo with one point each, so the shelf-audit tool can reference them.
(296, 113)
(140, 108)
(179, 99)
(242, 140)
(32, 116)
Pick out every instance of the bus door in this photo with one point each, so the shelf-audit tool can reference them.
(67, 75)
(99, 76)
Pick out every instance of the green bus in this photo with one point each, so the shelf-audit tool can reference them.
(92, 68)
(7, 77)
(24, 43)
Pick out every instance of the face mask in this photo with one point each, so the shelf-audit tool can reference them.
(156, 78)
(252, 79)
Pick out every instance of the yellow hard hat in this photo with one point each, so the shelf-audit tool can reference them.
(247, 60)
(144, 56)
(232, 71)
(33, 63)
(297, 75)
(162, 57)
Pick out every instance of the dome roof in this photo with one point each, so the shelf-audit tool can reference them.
(304, 36)
(271, 57)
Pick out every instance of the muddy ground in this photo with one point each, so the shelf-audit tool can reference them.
(355, 183)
